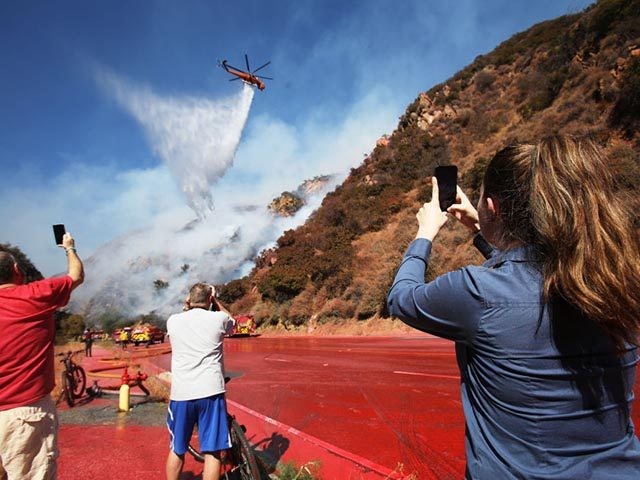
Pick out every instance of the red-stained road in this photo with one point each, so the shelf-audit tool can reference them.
(359, 405)
(388, 399)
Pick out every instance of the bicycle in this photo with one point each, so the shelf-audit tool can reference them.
(239, 461)
(74, 379)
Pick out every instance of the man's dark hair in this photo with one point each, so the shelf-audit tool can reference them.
(31, 273)
(6, 267)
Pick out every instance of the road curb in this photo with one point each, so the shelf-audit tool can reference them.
(336, 463)
(367, 468)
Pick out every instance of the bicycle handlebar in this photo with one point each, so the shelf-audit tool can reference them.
(68, 354)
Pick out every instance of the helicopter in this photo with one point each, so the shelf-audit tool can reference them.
(249, 77)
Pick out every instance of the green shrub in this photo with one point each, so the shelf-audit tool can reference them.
(626, 112)
(483, 81)
(232, 291)
(626, 165)
(282, 282)
(541, 93)
(69, 326)
(604, 15)
(290, 471)
(336, 308)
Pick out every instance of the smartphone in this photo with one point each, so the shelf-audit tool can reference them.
(447, 176)
(58, 233)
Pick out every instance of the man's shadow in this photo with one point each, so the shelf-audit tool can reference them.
(271, 450)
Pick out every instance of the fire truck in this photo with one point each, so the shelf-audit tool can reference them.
(244, 327)
(138, 334)
(146, 334)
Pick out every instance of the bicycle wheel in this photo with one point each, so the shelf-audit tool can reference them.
(80, 380)
(194, 450)
(245, 461)
(67, 388)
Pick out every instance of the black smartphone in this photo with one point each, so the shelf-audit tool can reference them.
(58, 232)
(447, 176)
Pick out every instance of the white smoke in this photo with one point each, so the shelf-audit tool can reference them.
(149, 269)
(196, 137)
(122, 273)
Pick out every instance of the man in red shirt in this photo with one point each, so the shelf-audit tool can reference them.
(28, 421)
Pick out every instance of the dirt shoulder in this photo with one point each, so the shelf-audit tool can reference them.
(370, 327)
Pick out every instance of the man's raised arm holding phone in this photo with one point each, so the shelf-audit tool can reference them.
(75, 269)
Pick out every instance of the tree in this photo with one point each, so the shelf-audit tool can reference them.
(110, 319)
(152, 318)
(70, 326)
(31, 272)
(160, 285)
(232, 291)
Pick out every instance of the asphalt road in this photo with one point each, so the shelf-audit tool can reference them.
(387, 399)
(391, 401)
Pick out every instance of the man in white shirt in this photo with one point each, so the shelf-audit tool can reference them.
(197, 381)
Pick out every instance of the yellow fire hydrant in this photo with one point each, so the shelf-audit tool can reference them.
(123, 400)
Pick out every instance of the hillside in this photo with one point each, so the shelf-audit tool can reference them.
(577, 74)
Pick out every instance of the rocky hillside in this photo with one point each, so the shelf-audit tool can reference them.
(577, 74)
(289, 203)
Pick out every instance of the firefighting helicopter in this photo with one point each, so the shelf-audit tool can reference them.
(249, 77)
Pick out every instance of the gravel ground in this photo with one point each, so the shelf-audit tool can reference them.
(105, 412)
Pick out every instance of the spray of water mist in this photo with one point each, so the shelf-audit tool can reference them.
(151, 269)
(196, 137)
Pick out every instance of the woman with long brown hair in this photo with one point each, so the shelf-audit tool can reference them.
(546, 329)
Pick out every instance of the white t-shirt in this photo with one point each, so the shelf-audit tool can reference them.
(197, 366)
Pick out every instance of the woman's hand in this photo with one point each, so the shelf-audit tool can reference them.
(464, 211)
(430, 217)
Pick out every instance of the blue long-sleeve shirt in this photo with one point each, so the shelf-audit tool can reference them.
(543, 394)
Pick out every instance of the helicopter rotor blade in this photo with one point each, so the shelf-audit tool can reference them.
(235, 78)
(246, 59)
(260, 68)
(234, 68)
(265, 78)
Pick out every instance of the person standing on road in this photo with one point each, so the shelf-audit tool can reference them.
(28, 420)
(124, 338)
(546, 330)
(197, 381)
(88, 342)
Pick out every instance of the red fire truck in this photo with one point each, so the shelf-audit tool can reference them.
(245, 325)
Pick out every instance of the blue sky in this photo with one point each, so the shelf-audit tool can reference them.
(71, 150)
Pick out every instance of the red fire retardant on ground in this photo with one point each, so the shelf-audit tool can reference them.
(363, 407)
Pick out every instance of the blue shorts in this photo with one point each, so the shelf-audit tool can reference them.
(209, 414)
